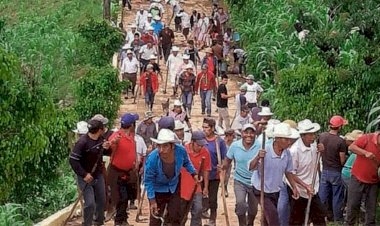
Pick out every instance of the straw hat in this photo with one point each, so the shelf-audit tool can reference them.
(82, 128)
(291, 123)
(178, 125)
(177, 103)
(354, 135)
(283, 130)
(306, 126)
(175, 49)
(148, 115)
(185, 57)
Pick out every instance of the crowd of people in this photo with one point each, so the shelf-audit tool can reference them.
(181, 167)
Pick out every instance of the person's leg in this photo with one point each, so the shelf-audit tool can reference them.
(317, 212)
(252, 205)
(297, 213)
(189, 102)
(147, 101)
(220, 117)
(324, 188)
(184, 99)
(196, 210)
(355, 192)
(226, 118)
(213, 199)
(338, 196)
(270, 208)
(174, 212)
(208, 102)
(89, 201)
(203, 101)
(162, 199)
(152, 95)
(121, 207)
(283, 207)
(370, 204)
(241, 205)
(100, 199)
(112, 178)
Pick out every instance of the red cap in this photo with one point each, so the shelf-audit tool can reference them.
(338, 121)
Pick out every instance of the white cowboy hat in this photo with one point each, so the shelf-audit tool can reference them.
(150, 28)
(188, 66)
(156, 0)
(185, 57)
(129, 51)
(178, 125)
(250, 77)
(81, 128)
(165, 136)
(126, 46)
(283, 130)
(150, 15)
(177, 103)
(270, 127)
(306, 126)
(175, 49)
(265, 111)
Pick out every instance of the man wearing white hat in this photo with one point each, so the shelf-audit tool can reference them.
(149, 86)
(206, 85)
(147, 128)
(129, 70)
(161, 178)
(166, 37)
(185, 22)
(242, 119)
(141, 17)
(253, 91)
(148, 22)
(186, 83)
(185, 63)
(146, 52)
(304, 156)
(182, 132)
(277, 164)
(265, 115)
(173, 63)
(131, 34)
(179, 114)
(211, 61)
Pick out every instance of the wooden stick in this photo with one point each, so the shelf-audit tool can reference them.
(262, 184)
(312, 184)
(221, 175)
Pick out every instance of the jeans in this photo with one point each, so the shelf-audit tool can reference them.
(206, 101)
(187, 100)
(196, 210)
(283, 206)
(245, 201)
(149, 99)
(94, 200)
(331, 187)
(356, 189)
(270, 207)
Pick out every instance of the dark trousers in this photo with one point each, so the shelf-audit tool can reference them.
(132, 77)
(298, 210)
(94, 196)
(173, 205)
(121, 207)
(149, 99)
(212, 201)
(144, 63)
(270, 207)
(356, 190)
(166, 51)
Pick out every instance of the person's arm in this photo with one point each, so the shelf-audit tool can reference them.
(358, 147)
(197, 81)
(254, 163)
(293, 185)
(149, 178)
(75, 157)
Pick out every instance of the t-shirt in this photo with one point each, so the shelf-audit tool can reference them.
(218, 51)
(187, 181)
(252, 90)
(221, 102)
(346, 170)
(214, 157)
(242, 156)
(365, 169)
(166, 37)
(334, 145)
(84, 156)
(124, 156)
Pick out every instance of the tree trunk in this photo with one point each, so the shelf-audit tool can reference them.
(107, 9)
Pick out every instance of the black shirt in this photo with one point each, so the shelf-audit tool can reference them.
(220, 102)
(84, 156)
(334, 144)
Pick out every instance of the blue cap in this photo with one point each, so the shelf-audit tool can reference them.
(199, 137)
(166, 122)
(129, 118)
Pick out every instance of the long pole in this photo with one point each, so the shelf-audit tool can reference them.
(221, 175)
(312, 184)
(167, 75)
(262, 184)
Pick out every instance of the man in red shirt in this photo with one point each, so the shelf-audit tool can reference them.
(122, 170)
(149, 83)
(196, 150)
(211, 61)
(205, 84)
(364, 179)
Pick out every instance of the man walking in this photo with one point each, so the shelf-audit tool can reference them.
(241, 151)
(129, 69)
(242, 119)
(211, 61)
(87, 152)
(364, 179)
(240, 99)
(253, 91)
(304, 157)
(333, 159)
(206, 85)
(141, 18)
(186, 83)
(166, 37)
(146, 52)
(173, 63)
(222, 103)
(149, 84)
(147, 128)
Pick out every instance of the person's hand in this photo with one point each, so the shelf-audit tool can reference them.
(153, 207)
(205, 192)
(262, 153)
(106, 145)
(150, 148)
(221, 167)
(310, 190)
(197, 179)
(296, 194)
(321, 147)
(369, 155)
(88, 178)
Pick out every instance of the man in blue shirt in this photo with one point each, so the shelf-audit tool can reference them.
(241, 151)
(162, 173)
(157, 25)
(211, 137)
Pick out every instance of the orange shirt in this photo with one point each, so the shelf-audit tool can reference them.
(187, 181)
(124, 152)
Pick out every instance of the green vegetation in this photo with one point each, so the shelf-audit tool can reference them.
(333, 70)
(50, 51)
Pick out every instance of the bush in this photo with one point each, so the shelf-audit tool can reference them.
(13, 214)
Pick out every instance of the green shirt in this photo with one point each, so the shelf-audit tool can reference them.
(346, 170)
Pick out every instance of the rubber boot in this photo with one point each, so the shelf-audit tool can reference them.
(250, 220)
(242, 220)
